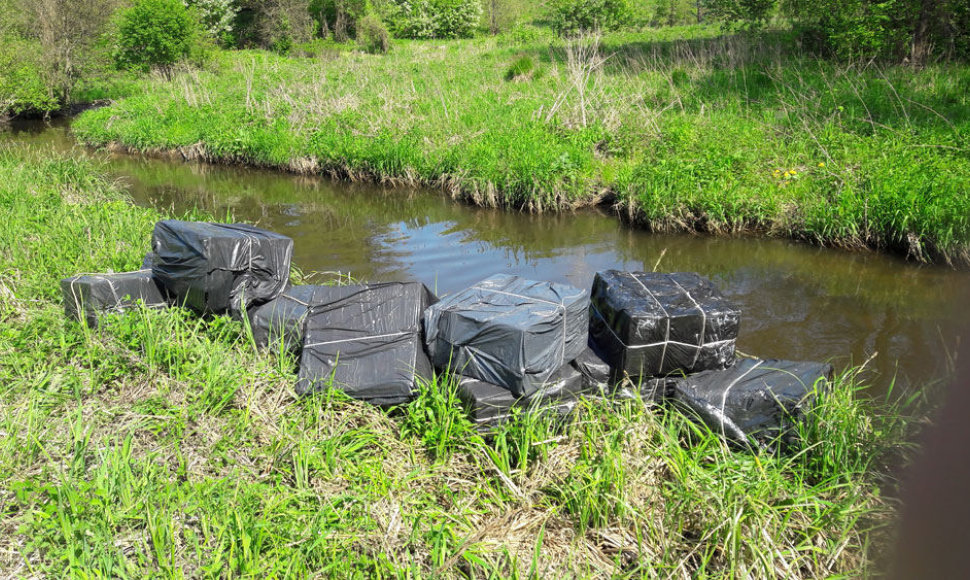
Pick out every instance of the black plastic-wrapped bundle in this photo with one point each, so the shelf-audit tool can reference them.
(759, 399)
(89, 295)
(652, 390)
(596, 373)
(489, 405)
(282, 321)
(367, 341)
(648, 324)
(220, 267)
(508, 331)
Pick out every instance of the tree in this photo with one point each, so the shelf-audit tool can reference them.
(750, 13)
(504, 14)
(67, 32)
(434, 18)
(340, 17)
(155, 34)
(217, 18)
(278, 24)
(571, 16)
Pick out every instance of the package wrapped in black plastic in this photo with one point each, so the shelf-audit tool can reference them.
(508, 331)
(215, 268)
(758, 400)
(601, 378)
(652, 390)
(367, 341)
(596, 373)
(282, 321)
(649, 325)
(89, 295)
(489, 405)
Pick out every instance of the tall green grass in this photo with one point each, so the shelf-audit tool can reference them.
(162, 445)
(701, 133)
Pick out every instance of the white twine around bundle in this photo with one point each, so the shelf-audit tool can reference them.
(360, 338)
(663, 354)
(114, 292)
(700, 340)
(727, 391)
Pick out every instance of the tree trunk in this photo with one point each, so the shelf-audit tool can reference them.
(922, 34)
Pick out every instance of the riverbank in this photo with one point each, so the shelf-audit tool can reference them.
(688, 131)
(161, 444)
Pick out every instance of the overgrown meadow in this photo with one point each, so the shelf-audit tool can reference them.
(164, 445)
(677, 129)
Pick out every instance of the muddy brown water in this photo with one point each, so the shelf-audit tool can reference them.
(800, 302)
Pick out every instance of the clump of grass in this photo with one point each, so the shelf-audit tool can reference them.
(521, 68)
(438, 419)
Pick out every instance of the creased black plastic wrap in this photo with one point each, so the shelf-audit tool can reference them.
(282, 321)
(596, 373)
(760, 399)
(648, 324)
(489, 405)
(508, 331)
(87, 296)
(653, 390)
(367, 341)
(216, 268)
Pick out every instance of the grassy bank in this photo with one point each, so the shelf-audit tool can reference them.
(165, 446)
(680, 129)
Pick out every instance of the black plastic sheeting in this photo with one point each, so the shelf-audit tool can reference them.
(596, 373)
(489, 405)
(649, 324)
(755, 399)
(508, 331)
(367, 341)
(654, 390)
(86, 296)
(282, 321)
(215, 268)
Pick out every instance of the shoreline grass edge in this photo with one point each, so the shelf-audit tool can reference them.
(712, 134)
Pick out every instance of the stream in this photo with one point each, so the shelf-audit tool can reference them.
(800, 302)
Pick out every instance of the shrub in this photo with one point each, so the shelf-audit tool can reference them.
(339, 17)
(434, 18)
(572, 16)
(749, 13)
(155, 34)
(372, 35)
(278, 25)
(22, 86)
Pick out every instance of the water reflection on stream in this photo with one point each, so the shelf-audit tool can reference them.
(800, 302)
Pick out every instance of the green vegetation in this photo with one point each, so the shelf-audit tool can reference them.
(50, 47)
(571, 16)
(156, 34)
(434, 18)
(372, 35)
(53, 54)
(164, 445)
(717, 134)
